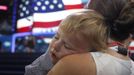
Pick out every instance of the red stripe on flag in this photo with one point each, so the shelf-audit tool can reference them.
(46, 24)
(74, 6)
(24, 29)
(131, 48)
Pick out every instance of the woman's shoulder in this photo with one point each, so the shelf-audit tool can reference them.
(77, 57)
(76, 64)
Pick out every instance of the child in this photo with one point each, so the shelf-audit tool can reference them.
(75, 34)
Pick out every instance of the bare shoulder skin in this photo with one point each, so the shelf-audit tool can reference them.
(76, 64)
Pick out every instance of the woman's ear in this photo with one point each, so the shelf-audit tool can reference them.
(130, 38)
(110, 42)
(128, 41)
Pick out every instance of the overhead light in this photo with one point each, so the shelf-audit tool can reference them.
(7, 44)
(2, 7)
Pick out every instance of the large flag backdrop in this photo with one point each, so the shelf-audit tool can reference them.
(44, 16)
(25, 18)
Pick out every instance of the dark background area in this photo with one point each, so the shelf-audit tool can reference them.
(6, 17)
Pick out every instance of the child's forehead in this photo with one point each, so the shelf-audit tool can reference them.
(64, 31)
(74, 39)
(72, 35)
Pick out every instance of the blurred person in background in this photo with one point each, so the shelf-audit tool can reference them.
(43, 64)
(6, 22)
(29, 44)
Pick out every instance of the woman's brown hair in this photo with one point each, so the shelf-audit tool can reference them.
(119, 16)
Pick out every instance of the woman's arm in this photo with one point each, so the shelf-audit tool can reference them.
(77, 64)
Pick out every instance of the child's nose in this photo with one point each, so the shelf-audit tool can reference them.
(56, 46)
(53, 50)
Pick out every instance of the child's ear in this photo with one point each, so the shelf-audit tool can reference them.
(128, 40)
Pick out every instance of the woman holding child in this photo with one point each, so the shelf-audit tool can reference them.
(87, 33)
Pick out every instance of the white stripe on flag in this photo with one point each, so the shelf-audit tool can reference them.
(45, 30)
(70, 2)
(132, 44)
(24, 22)
(54, 16)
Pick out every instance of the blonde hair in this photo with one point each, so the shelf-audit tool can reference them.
(90, 25)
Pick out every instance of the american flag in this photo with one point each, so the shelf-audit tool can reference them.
(44, 16)
(25, 18)
(55, 11)
(131, 47)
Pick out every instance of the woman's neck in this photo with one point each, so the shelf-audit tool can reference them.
(115, 54)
